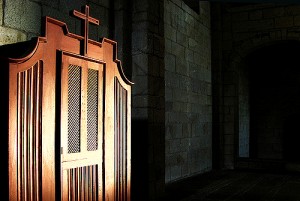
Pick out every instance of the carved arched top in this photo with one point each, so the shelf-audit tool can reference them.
(12, 53)
(116, 60)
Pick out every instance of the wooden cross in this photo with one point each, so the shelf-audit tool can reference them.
(87, 19)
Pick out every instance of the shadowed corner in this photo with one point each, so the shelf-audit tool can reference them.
(139, 159)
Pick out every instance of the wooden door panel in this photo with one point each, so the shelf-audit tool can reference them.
(81, 128)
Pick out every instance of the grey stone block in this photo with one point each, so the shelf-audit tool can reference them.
(23, 15)
(142, 88)
(255, 15)
(104, 3)
(66, 6)
(189, 55)
(9, 36)
(282, 22)
(182, 39)
(180, 95)
(170, 62)
(175, 146)
(177, 49)
(139, 41)
(175, 172)
(240, 16)
(182, 66)
(292, 10)
(101, 13)
(171, 80)
(273, 12)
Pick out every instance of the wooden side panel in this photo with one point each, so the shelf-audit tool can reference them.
(117, 130)
(29, 98)
(120, 130)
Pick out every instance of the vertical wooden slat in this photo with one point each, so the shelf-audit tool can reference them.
(73, 184)
(38, 129)
(124, 144)
(124, 155)
(70, 181)
(77, 184)
(19, 134)
(120, 142)
(33, 128)
(101, 187)
(34, 113)
(88, 184)
(22, 136)
(81, 183)
(86, 187)
(115, 138)
(69, 186)
(30, 132)
(117, 142)
(35, 95)
(25, 134)
(128, 144)
(93, 181)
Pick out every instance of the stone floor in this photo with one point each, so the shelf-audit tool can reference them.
(237, 186)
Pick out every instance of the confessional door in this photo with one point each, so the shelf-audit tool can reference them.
(81, 128)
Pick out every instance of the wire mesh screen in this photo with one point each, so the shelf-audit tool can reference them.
(92, 110)
(74, 93)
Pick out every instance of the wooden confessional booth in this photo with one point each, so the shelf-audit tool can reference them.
(65, 106)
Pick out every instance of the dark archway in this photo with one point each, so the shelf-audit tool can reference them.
(274, 100)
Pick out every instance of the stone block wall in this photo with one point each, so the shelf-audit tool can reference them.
(188, 97)
(148, 100)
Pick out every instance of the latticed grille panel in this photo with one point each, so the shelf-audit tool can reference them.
(74, 94)
(92, 110)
